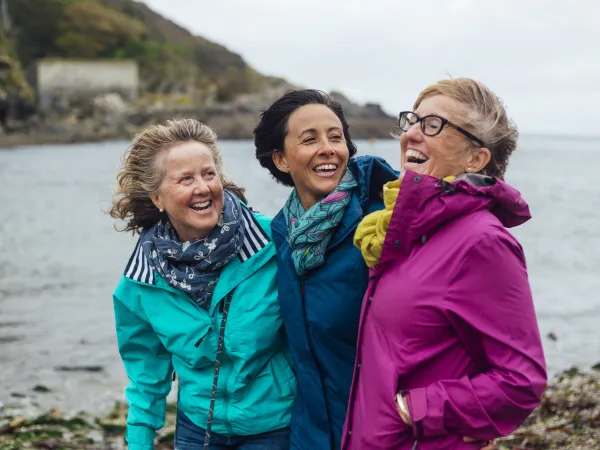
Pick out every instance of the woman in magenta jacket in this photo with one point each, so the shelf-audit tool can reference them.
(448, 344)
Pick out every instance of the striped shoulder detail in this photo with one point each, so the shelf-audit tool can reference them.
(255, 238)
(138, 268)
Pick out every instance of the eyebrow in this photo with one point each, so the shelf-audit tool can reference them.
(187, 171)
(314, 130)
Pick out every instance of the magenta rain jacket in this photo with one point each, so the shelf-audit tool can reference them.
(448, 320)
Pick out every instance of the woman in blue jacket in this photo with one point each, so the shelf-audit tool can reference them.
(304, 141)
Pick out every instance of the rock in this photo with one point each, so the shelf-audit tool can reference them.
(596, 366)
(10, 339)
(17, 395)
(55, 415)
(17, 422)
(568, 417)
(79, 368)
(41, 389)
(110, 104)
(552, 336)
(572, 372)
(48, 445)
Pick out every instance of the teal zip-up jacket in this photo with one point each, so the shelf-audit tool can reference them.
(161, 330)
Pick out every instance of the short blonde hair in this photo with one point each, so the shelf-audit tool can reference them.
(485, 116)
(141, 173)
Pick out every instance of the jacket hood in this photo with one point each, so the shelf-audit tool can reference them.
(426, 203)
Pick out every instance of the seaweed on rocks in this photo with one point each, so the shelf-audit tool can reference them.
(568, 418)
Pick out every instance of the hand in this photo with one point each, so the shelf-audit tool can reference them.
(405, 417)
(489, 445)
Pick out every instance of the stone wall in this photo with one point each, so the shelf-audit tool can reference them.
(59, 81)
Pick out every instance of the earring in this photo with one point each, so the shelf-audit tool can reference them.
(161, 210)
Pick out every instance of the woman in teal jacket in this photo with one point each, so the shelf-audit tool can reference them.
(199, 298)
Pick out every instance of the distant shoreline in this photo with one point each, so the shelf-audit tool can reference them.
(12, 141)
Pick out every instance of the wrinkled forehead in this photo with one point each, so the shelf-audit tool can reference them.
(183, 156)
(444, 106)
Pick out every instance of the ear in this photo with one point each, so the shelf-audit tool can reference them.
(280, 161)
(478, 159)
(156, 200)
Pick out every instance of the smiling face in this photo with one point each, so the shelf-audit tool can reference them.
(448, 153)
(191, 192)
(315, 152)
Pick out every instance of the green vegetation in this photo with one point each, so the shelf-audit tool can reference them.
(171, 59)
(567, 419)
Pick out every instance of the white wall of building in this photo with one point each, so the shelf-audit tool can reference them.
(57, 79)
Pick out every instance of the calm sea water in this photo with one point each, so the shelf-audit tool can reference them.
(60, 257)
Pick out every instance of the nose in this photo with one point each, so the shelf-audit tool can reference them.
(327, 148)
(414, 132)
(201, 187)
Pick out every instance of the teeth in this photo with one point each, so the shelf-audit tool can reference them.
(326, 167)
(416, 155)
(201, 205)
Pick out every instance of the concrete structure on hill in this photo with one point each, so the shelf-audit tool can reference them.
(62, 81)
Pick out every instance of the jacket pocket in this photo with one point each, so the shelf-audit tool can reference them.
(197, 348)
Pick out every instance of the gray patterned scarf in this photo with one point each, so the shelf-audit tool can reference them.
(194, 266)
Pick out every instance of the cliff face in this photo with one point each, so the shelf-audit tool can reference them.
(171, 59)
(180, 74)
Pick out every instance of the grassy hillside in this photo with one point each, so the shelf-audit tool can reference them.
(171, 59)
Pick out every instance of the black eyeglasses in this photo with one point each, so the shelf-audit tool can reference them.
(432, 125)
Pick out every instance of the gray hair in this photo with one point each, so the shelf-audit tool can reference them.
(142, 171)
(485, 116)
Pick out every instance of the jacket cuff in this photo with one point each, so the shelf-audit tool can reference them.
(426, 413)
(140, 437)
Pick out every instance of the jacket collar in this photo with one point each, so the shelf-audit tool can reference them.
(425, 204)
(255, 239)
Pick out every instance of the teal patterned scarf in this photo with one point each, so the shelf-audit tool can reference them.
(310, 231)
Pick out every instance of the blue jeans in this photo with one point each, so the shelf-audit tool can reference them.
(189, 436)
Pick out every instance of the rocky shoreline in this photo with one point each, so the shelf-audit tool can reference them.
(110, 117)
(236, 127)
(567, 419)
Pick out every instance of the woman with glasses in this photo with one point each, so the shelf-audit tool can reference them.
(448, 344)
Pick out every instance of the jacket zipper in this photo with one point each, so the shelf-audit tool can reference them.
(302, 290)
(197, 344)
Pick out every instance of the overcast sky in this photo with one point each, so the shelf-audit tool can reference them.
(541, 57)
